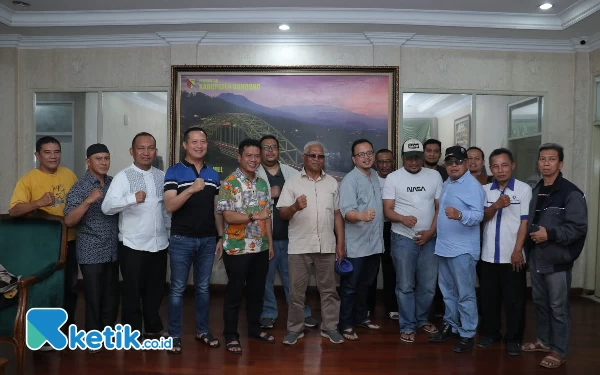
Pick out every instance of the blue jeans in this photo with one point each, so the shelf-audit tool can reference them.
(414, 264)
(183, 252)
(354, 289)
(456, 278)
(279, 263)
(550, 294)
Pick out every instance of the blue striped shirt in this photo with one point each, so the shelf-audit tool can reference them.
(455, 237)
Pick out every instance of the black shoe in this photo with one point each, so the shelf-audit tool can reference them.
(443, 334)
(486, 341)
(513, 348)
(464, 345)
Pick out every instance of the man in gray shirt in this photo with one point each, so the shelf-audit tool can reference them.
(362, 209)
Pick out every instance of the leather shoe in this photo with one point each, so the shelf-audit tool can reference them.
(513, 348)
(464, 345)
(443, 334)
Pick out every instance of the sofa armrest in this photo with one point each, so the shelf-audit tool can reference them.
(38, 276)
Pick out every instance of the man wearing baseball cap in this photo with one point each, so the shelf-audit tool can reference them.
(410, 202)
(461, 211)
(97, 240)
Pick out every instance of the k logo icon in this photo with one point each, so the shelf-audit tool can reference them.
(43, 325)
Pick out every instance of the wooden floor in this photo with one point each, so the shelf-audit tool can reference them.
(379, 352)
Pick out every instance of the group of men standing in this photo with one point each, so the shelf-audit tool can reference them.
(435, 229)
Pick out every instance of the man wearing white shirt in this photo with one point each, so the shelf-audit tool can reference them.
(136, 194)
(411, 201)
(502, 262)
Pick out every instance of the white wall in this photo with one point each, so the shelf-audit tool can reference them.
(521, 73)
(446, 127)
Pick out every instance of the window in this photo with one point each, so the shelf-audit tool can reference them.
(598, 98)
(525, 137)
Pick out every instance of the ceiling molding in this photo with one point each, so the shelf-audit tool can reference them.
(526, 21)
(140, 101)
(433, 100)
(578, 12)
(467, 101)
(492, 44)
(346, 39)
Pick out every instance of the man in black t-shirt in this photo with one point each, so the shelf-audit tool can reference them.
(275, 173)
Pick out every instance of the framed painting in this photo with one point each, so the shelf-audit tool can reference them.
(332, 105)
(462, 131)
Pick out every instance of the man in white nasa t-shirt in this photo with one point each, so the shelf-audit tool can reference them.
(410, 202)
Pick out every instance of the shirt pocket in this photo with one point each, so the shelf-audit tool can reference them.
(554, 216)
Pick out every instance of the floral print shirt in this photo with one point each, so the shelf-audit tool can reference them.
(240, 194)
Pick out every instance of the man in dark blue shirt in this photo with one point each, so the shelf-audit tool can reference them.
(97, 240)
(191, 192)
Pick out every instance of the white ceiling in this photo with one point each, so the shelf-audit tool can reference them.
(565, 24)
(418, 105)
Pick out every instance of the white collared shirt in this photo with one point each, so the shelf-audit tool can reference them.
(142, 226)
(500, 232)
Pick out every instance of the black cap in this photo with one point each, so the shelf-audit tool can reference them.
(457, 152)
(96, 149)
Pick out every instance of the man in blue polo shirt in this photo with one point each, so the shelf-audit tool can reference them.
(502, 260)
(457, 246)
(191, 191)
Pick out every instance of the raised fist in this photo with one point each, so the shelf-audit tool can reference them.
(368, 215)
(301, 202)
(503, 201)
(46, 200)
(140, 196)
(94, 196)
(197, 186)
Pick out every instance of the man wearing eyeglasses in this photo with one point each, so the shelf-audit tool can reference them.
(310, 202)
(275, 174)
(410, 201)
(461, 211)
(362, 209)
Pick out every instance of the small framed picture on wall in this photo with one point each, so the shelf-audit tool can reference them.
(462, 131)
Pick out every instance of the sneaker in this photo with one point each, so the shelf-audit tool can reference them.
(310, 322)
(292, 337)
(267, 322)
(46, 348)
(513, 348)
(333, 336)
(393, 315)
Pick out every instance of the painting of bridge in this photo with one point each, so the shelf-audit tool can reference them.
(332, 108)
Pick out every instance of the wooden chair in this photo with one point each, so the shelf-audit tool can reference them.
(35, 248)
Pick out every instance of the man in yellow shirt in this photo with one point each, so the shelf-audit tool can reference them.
(45, 188)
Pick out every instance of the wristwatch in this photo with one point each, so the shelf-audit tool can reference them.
(460, 216)
(251, 216)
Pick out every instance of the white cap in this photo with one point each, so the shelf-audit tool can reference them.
(412, 147)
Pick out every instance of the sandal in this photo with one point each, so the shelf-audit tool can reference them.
(552, 360)
(208, 340)
(176, 346)
(534, 347)
(230, 346)
(408, 337)
(264, 336)
(429, 328)
(368, 324)
(350, 335)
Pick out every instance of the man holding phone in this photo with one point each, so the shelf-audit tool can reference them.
(502, 278)
(410, 202)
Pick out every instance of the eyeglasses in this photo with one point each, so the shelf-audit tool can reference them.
(315, 156)
(451, 162)
(363, 154)
(267, 148)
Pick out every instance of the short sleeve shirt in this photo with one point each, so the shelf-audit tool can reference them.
(242, 195)
(97, 233)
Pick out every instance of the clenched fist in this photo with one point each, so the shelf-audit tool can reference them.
(502, 202)
(409, 221)
(197, 186)
(94, 196)
(452, 213)
(46, 200)
(301, 202)
(140, 196)
(368, 215)
(275, 191)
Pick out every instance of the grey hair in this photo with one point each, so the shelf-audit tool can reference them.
(313, 143)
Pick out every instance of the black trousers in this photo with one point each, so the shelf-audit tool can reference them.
(144, 282)
(500, 285)
(247, 274)
(71, 277)
(354, 290)
(389, 276)
(101, 283)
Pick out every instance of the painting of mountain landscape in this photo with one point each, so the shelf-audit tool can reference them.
(334, 109)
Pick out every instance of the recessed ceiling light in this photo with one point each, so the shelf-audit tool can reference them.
(284, 27)
(21, 4)
(545, 6)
